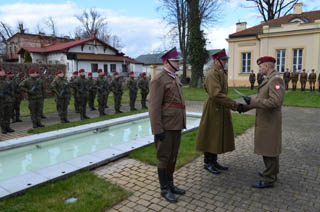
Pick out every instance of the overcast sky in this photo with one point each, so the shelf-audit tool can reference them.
(136, 22)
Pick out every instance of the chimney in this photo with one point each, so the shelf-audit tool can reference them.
(77, 38)
(297, 8)
(42, 33)
(241, 26)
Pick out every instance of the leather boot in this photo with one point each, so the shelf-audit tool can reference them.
(172, 187)
(164, 186)
(3, 130)
(9, 130)
(219, 166)
(34, 125)
(18, 120)
(66, 120)
(40, 125)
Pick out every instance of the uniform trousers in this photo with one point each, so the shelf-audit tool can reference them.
(5, 113)
(35, 107)
(167, 149)
(76, 102)
(286, 83)
(101, 102)
(303, 85)
(133, 97)
(143, 99)
(272, 169)
(62, 107)
(252, 85)
(92, 96)
(83, 99)
(312, 85)
(117, 101)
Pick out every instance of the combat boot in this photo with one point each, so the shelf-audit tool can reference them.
(40, 125)
(164, 186)
(9, 130)
(18, 119)
(66, 120)
(219, 166)
(172, 187)
(34, 125)
(3, 130)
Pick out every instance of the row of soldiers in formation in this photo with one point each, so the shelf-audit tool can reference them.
(293, 77)
(12, 88)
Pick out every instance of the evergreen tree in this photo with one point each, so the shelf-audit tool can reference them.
(27, 57)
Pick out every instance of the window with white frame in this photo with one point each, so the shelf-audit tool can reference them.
(246, 62)
(297, 59)
(281, 60)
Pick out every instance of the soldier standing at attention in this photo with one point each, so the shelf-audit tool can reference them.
(109, 80)
(74, 91)
(294, 79)
(167, 117)
(259, 78)
(92, 91)
(312, 80)
(252, 79)
(33, 86)
(16, 97)
(133, 90)
(42, 78)
(101, 85)
(62, 91)
(215, 134)
(116, 87)
(286, 78)
(144, 89)
(82, 88)
(6, 92)
(268, 130)
(303, 80)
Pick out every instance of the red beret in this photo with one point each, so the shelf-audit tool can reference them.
(1, 68)
(266, 59)
(143, 74)
(115, 73)
(220, 55)
(59, 72)
(131, 73)
(32, 71)
(172, 54)
(10, 72)
(81, 71)
(99, 70)
(90, 74)
(75, 73)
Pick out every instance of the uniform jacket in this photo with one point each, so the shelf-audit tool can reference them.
(252, 77)
(143, 84)
(268, 127)
(81, 84)
(116, 86)
(102, 85)
(6, 91)
(303, 77)
(215, 133)
(91, 85)
(33, 87)
(166, 90)
(61, 88)
(286, 76)
(312, 77)
(294, 76)
(132, 85)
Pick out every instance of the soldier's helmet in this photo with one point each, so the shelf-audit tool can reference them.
(172, 54)
(221, 55)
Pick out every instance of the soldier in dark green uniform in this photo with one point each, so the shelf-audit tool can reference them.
(62, 91)
(33, 86)
(6, 93)
(82, 88)
(92, 91)
(102, 87)
(312, 80)
(286, 78)
(259, 78)
(109, 80)
(41, 75)
(74, 91)
(252, 79)
(144, 89)
(294, 79)
(133, 90)
(116, 87)
(16, 96)
(303, 80)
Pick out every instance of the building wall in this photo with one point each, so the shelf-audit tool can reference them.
(94, 47)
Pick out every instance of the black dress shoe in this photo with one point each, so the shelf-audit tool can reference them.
(219, 166)
(211, 168)
(86, 117)
(43, 117)
(18, 120)
(9, 130)
(261, 175)
(3, 131)
(261, 184)
(40, 125)
(106, 106)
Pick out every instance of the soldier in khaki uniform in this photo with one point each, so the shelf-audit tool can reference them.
(144, 89)
(286, 78)
(294, 78)
(252, 79)
(74, 91)
(303, 80)
(6, 95)
(133, 90)
(312, 80)
(215, 134)
(267, 139)
(101, 85)
(168, 117)
(116, 87)
(34, 87)
(259, 78)
(62, 91)
(82, 89)
(92, 91)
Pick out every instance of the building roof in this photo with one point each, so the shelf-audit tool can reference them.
(39, 35)
(64, 46)
(308, 17)
(104, 57)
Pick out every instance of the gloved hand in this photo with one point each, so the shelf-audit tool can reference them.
(240, 108)
(247, 99)
(160, 136)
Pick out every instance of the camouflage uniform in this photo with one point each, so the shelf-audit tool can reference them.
(82, 91)
(6, 98)
(101, 85)
(61, 88)
(133, 90)
(35, 89)
(74, 91)
(16, 100)
(92, 93)
(116, 87)
(144, 89)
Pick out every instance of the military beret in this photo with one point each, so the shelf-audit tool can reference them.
(266, 59)
(222, 55)
(131, 73)
(32, 71)
(81, 71)
(143, 74)
(115, 74)
(172, 54)
(10, 72)
(75, 73)
(1, 68)
(99, 70)
(90, 74)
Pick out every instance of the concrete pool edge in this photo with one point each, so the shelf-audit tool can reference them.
(21, 183)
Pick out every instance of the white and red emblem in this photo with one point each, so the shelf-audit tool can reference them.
(277, 86)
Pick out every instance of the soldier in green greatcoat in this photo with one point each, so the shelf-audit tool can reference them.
(143, 84)
(61, 88)
(34, 87)
(116, 87)
(102, 87)
(82, 89)
(92, 91)
(133, 90)
(6, 95)
(74, 91)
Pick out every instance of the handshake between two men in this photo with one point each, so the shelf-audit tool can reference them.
(247, 99)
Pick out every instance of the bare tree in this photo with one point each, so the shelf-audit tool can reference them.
(51, 24)
(272, 9)
(21, 28)
(5, 33)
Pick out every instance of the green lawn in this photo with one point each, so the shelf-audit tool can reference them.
(94, 195)
(302, 99)
(241, 122)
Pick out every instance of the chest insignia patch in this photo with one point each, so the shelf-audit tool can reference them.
(277, 86)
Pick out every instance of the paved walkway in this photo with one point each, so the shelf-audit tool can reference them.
(297, 189)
